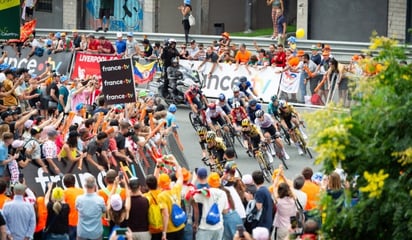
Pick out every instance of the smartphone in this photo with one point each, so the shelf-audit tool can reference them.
(293, 222)
(121, 231)
(120, 175)
(21, 178)
(241, 230)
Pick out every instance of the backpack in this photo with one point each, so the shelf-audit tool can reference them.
(154, 215)
(178, 216)
(213, 216)
(253, 216)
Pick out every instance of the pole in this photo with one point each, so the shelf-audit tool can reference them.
(248, 16)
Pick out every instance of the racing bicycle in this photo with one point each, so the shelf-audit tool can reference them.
(301, 141)
(264, 160)
(218, 167)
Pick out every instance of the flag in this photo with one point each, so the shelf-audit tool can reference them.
(290, 82)
(144, 73)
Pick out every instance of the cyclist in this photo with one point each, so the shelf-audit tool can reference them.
(269, 128)
(251, 135)
(238, 96)
(215, 147)
(245, 85)
(252, 107)
(201, 132)
(195, 98)
(289, 118)
(273, 107)
(215, 115)
(238, 113)
(223, 103)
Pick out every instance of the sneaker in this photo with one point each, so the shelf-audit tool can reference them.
(106, 29)
(99, 29)
(300, 151)
(286, 155)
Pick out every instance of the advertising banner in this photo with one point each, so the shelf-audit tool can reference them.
(264, 80)
(290, 82)
(36, 65)
(117, 81)
(87, 64)
(10, 19)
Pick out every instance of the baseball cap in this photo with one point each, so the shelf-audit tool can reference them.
(247, 179)
(5, 114)
(63, 78)
(119, 34)
(28, 123)
(201, 173)
(314, 47)
(35, 130)
(186, 175)
(17, 143)
(301, 53)
(130, 34)
(116, 202)
(163, 180)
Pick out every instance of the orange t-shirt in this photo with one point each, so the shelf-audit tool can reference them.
(3, 199)
(243, 57)
(41, 214)
(104, 193)
(70, 195)
(312, 190)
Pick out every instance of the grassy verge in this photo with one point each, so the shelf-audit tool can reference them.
(262, 32)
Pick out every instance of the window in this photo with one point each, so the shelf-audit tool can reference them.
(44, 6)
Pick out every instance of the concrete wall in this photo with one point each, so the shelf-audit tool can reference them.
(53, 19)
(70, 14)
(397, 19)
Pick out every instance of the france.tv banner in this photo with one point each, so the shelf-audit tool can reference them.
(117, 81)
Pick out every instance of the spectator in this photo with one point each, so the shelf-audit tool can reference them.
(33, 149)
(193, 50)
(153, 196)
(190, 207)
(84, 43)
(201, 54)
(3, 197)
(183, 53)
(285, 208)
(310, 230)
(10, 100)
(7, 139)
(92, 44)
(264, 202)
(49, 150)
(3, 229)
(231, 217)
(63, 93)
(105, 11)
(120, 44)
(70, 195)
(132, 47)
(37, 46)
(334, 189)
(207, 231)
(105, 46)
(139, 210)
(90, 207)
(118, 208)
(275, 5)
(211, 57)
(186, 10)
(242, 56)
(279, 60)
(64, 44)
(225, 40)
(52, 95)
(29, 6)
(311, 189)
(169, 196)
(281, 26)
(76, 41)
(57, 214)
(301, 196)
(147, 49)
(308, 68)
(97, 149)
(16, 210)
(315, 55)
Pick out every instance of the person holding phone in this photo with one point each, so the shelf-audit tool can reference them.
(117, 208)
(57, 225)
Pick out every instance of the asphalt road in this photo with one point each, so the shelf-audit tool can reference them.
(246, 164)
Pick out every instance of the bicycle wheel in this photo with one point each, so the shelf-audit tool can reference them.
(228, 142)
(280, 155)
(309, 153)
(269, 164)
(260, 159)
(194, 120)
(285, 135)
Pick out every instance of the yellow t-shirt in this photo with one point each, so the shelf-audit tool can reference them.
(9, 100)
(167, 198)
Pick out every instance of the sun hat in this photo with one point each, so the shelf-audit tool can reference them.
(116, 202)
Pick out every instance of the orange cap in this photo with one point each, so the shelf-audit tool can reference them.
(225, 34)
(186, 175)
(300, 53)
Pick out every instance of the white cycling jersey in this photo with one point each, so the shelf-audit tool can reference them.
(214, 114)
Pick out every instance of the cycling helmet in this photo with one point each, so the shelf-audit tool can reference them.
(252, 102)
(282, 103)
(212, 106)
(245, 122)
(222, 97)
(172, 108)
(210, 136)
(235, 89)
(236, 104)
(259, 113)
(243, 79)
(230, 167)
(274, 98)
(202, 130)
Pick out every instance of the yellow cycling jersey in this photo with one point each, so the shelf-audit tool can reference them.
(287, 113)
(220, 145)
(253, 132)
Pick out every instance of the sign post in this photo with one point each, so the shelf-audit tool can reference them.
(117, 81)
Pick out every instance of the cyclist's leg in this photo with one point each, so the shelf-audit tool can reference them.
(296, 122)
(278, 141)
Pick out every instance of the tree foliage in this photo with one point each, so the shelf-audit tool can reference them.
(373, 141)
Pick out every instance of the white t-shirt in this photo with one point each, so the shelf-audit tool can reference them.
(131, 47)
(240, 209)
(215, 195)
(301, 196)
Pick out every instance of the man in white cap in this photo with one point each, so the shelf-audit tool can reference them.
(120, 44)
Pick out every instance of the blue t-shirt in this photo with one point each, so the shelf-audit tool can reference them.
(63, 91)
(280, 22)
(263, 196)
(120, 46)
(170, 119)
(4, 153)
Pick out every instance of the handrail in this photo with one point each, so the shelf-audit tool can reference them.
(343, 51)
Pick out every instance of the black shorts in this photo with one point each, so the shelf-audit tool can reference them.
(271, 130)
(105, 12)
(219, 120)
(29, 11)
